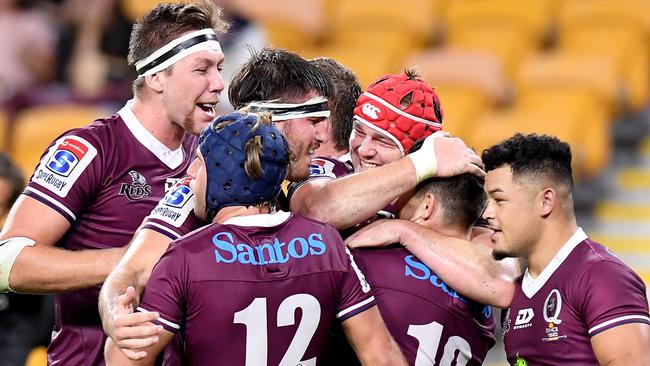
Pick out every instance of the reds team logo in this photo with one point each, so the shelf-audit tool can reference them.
(138, 188)
(67, 156)
(370, 110)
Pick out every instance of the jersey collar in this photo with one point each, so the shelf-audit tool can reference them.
(263, 220)
(530, 285)
(172, 158)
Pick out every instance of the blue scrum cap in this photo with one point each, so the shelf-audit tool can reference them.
(223, 147)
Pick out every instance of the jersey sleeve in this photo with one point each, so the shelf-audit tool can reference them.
(356, 296)
(320, 168)
(612, 295)
(174, 215)
(166, 289)
(69, 174)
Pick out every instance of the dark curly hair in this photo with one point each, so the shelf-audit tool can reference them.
(276, 74)
(462, 197)
(532, 155)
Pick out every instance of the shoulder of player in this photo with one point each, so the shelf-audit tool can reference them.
(593, 256)
(96, 133)
(195, 234)
(391, 251)
(593, 266)
(385, 267)
(318, 225)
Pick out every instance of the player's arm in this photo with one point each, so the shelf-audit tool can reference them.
(131, 330)
(42, 267)
(371, 340)
(349, 200)
(465, 266)
(627, 344)
(114, 357)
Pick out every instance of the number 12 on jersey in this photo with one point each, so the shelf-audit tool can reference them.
(254, 318)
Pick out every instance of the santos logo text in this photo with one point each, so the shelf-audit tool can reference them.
(278, 252)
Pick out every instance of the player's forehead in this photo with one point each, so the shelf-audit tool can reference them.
(204, 58)
(303, 97)
(374, 133)
(502, 181)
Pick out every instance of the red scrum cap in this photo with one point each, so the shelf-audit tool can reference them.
(403, 107)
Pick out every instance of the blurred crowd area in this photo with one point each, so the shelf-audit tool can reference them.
(577, 69)
(573, 68)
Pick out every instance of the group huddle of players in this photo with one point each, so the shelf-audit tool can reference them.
(204, 255)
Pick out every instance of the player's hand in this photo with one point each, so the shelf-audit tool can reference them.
(378, 234)
(132, 331)
(444, 156)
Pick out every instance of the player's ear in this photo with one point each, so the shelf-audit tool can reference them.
(428, 206)
(155, 82)
(548, 201)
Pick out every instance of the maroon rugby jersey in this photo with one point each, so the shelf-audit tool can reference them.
(324, 167)
(104, 179)
(583, 291)
(260, 289)
(431, 322)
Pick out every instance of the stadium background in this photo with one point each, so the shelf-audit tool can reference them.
(578, 69)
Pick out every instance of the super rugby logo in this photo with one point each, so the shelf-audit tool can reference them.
(370, 111)
(138, 187)
(180, 194)
(316, 167)
(177, 204)
(67, 156)
(321, 167)
(63, 164)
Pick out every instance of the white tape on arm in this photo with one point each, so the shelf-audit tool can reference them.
(9, 251)
(424, 160)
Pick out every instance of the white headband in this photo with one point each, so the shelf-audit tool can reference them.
(177, 49)
(314, 107)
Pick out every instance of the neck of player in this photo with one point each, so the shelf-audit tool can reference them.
(553, 235)
(227, 213)
(153, 117)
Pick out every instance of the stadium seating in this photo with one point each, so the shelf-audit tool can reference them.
(4, 127)
(135, 9)
(37, 357)
(291, 24)
(635, 14)
(477, 71)
(568, 71)
(527, 17)
(574, 118)
(35, 128)
(374, 37)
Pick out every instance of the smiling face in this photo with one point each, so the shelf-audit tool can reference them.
(369, 148)
(191, 90)
(512, 213)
